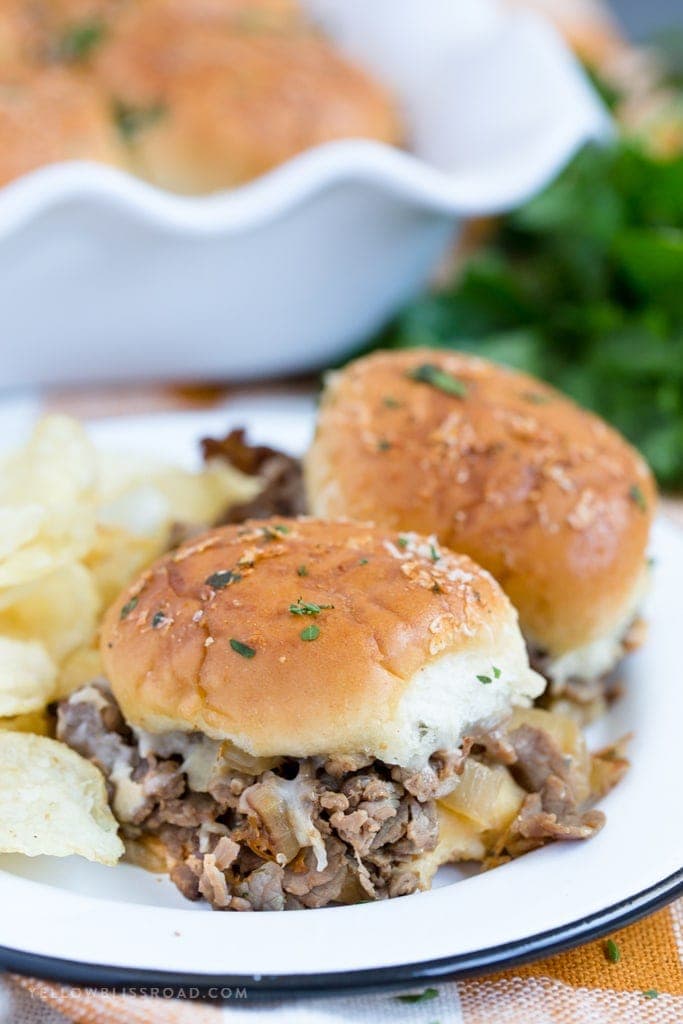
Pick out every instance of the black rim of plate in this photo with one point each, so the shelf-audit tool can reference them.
(377, 979)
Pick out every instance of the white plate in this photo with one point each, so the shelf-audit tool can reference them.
(81, 922)
(287, 272)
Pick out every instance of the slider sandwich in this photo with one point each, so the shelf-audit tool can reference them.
(299, 713)
(546, 496)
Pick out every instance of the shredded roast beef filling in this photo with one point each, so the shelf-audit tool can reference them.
(254, 834)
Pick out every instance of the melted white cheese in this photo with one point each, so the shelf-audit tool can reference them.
(600, 656)
(446, 698)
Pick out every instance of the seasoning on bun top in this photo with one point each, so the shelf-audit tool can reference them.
(302, 638)
(545, 495)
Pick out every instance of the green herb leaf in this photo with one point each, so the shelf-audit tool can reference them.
(402, 542)
(535, 397)
(157, 619)
(430, 374)
(302, 571)
(128, 607)
(310, 633)
(308, 608)
(363, 561)
(419, 997)
(383, 445)
(433, 553)
(496, 672)
(130, 121)
(391, 403)
(79, 40)
(612, 951)
(485, 679)
(651, 993)
(244, 649)
(222, 578)
(636, 495)
(275, 531)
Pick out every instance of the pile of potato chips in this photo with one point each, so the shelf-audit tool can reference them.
(76, 525)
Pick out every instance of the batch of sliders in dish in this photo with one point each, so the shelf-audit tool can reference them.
(302, 711)
(191, 95)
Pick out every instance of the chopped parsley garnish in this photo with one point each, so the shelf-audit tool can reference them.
(402, 542)
(79, 40)
(311, 632)
(363, 561)
(302, 570)
(635, 494)
(308, 608)
(496, 672)
(391, 403)
(535, 397)
(420, 997)
(612, 951)
(651, 993)
(485, 679)
(222, 578)
(440, 379)
(273, 532)
(383, 445)
(244, 649)
(128, 607)
(132, 120)
(433, 553)
(157, 619)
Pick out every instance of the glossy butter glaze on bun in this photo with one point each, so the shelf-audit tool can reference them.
(551, 500)
(235, 90)
(304, 638)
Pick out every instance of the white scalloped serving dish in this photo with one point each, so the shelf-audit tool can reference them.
(103, 276)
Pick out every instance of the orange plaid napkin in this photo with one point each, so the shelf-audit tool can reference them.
(584, 986)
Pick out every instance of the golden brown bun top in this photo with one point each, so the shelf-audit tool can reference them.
(242, 87)
(189, 647)
(53, 114)
(552, 501)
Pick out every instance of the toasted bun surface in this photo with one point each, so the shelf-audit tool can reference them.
(241, 87)
(552, 501)
(53, 114)
(391, 669)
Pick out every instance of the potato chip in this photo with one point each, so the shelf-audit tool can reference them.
(148, 505)
(202, 497)
(56, 467)
(82, 666)
(47, 502)
(37, 722)
(60, 610)
(19, 525)
(117, 557)
(27, 676)
(53, 802)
